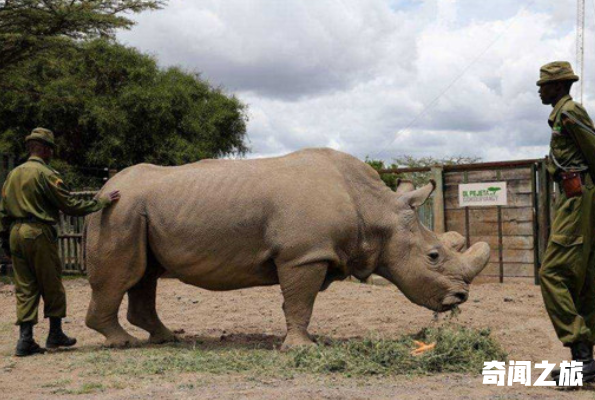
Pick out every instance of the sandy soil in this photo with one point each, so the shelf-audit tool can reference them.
(514, 311)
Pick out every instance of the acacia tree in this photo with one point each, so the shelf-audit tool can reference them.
(111, 106)
(29, 28)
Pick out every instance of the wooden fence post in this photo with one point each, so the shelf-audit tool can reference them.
(438, 202)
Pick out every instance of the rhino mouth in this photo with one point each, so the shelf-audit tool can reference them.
(453, 300)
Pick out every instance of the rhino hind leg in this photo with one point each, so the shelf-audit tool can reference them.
(142, 310)
(116, 261)
(102, 316)
(300, 285)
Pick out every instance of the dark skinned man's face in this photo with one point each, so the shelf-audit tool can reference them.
(550, 92)
(48, 153)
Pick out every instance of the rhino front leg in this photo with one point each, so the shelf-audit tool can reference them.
(300, 285)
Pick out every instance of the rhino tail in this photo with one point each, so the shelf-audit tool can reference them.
(84, 247)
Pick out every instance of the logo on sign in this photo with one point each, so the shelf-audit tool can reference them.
(482, 194)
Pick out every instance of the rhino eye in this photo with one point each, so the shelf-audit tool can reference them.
(434, 255)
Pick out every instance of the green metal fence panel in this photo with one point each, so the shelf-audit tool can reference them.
(426, 214)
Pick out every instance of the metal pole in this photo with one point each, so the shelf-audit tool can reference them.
(438, 203)
(500, 236)
(535, 206)
(580, 45)
(500, 245)
(467, 226)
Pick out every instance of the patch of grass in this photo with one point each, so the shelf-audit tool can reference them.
(118, 385)
(6, 279)
(458, 349)
(85, 388)
(186, 386)
(164, 360)
(57, 384)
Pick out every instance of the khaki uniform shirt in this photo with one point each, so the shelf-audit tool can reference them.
(35, 190)
(563, 146)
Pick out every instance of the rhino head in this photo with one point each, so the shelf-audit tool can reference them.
(431, 270)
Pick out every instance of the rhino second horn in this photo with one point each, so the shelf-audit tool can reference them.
(453, 240)
(475, 260)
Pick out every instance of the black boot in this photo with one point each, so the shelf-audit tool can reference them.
(556, 371)
(583, 352)
(26, 346)
(56, 337)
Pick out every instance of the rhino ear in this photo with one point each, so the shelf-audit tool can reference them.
(404, 186)
(417, 197)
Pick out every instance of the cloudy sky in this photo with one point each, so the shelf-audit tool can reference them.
(378, 78)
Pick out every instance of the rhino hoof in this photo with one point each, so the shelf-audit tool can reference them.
(163, 338)
(124, 342)
(297, 343)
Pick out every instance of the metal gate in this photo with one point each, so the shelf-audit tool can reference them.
(510, 230)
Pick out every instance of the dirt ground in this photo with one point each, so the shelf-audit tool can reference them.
(513, 311)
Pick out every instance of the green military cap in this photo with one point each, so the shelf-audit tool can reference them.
(556, 71)
(43, 135)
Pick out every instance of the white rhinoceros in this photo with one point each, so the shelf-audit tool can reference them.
(302, 221)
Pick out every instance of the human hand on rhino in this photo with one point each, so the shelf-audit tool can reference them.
(110, 197)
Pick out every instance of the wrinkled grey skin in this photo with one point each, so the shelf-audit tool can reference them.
(302, 221)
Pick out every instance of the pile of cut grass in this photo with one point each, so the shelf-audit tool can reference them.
(458, 349)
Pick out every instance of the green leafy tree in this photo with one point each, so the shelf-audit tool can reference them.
(30, 28)
(111, 106)
(418, 178)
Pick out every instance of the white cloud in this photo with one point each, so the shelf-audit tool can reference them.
(353, 74)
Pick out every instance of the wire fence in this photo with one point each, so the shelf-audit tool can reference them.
(426, 214)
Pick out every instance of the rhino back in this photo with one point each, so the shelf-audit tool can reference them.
(217, 217)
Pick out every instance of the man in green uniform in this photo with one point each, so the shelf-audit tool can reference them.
(568, 270)
(32, 197)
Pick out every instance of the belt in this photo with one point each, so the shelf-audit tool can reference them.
(31, 220)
